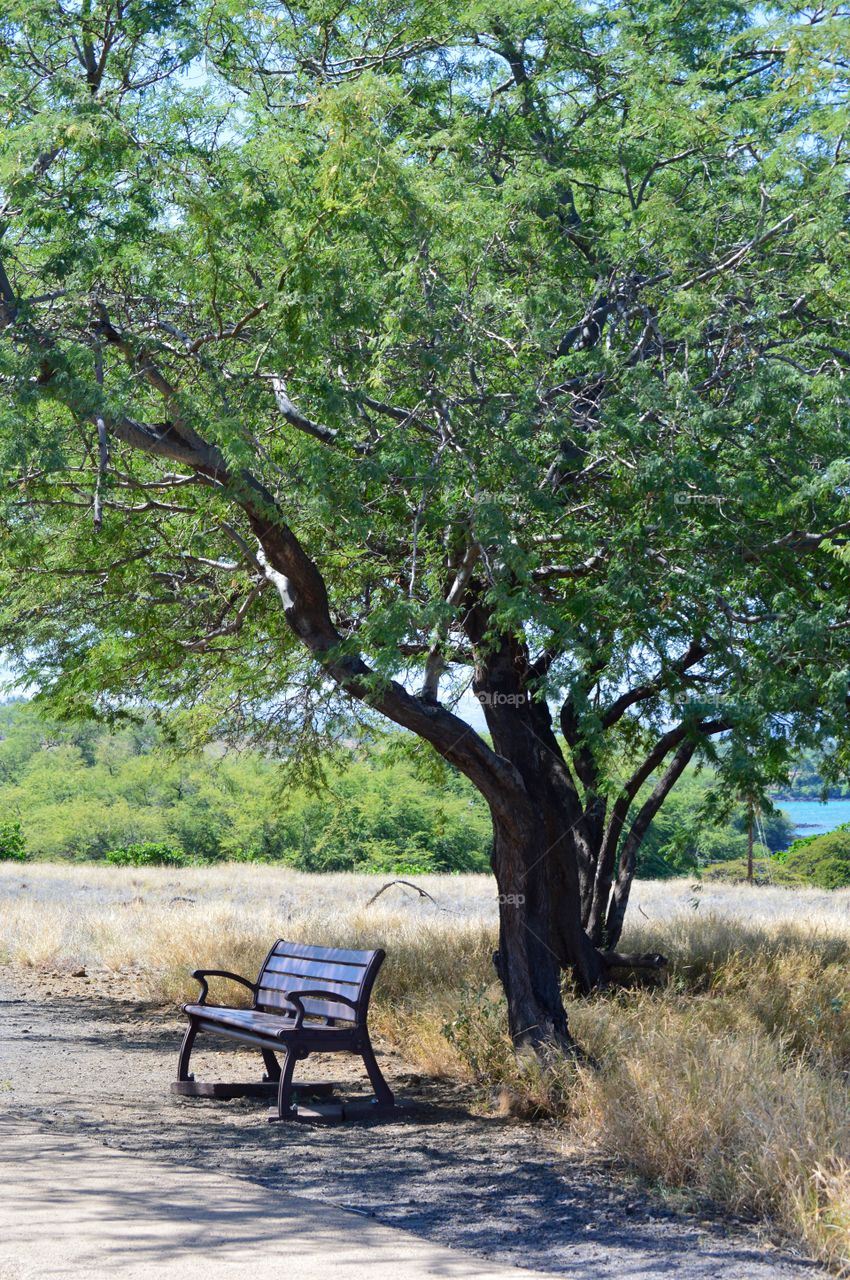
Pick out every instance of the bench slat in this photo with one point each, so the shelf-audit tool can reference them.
(293, 966)
(336, 955)
(268, 998)
(267, 1023)
(268, 993)
(297, 982)
(350, 977)
(255, 1022)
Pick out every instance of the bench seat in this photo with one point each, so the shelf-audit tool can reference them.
(271, 1027)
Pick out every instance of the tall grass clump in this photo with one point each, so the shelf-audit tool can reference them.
(728, 1080)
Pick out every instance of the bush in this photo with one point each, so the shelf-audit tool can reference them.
(823, 860)
(765, 871)
(150, 853)
(12, 844)
(88, 792)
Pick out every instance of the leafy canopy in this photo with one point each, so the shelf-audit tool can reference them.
(562, 287)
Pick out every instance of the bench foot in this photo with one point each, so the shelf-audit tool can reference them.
(336, 1113)
(224, 1090)
(285, 1102)
(186, 1052)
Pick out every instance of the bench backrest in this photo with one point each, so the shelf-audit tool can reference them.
(298, 966)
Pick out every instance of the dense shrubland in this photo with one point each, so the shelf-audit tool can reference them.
(82, 791)
(79, 790)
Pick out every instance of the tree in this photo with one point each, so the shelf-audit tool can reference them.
(353, 352)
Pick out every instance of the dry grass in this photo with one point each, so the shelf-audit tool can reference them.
(730, 1080)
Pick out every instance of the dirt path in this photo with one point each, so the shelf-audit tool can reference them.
(92, 1064)
(81, 1211)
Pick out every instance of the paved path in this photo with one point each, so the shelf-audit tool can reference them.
(70, 1207)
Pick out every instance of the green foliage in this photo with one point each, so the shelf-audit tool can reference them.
(88, 792)
(821, 860)
(537, 276)
(809, 781)
(479, 1032)
(150, 853)
(12, 843)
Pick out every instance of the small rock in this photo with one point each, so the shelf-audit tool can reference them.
(78, 973)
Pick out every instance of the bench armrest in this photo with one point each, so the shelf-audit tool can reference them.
(295, 997)
(201, 976)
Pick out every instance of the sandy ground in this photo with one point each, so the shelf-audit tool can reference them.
(84, 1056)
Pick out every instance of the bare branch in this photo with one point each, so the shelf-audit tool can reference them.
(694, 654)
(327, 435)
(231, 628)
(435, 664)
(737, 257)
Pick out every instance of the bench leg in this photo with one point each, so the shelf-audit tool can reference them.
(383, 1092)
(186, 1051)
(272, 1065)
(285, 1109)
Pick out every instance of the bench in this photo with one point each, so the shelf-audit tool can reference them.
(306, 1000)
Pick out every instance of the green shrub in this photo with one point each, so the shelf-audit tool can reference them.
(765, 871)
(12, 843)
(823, 861)
(150, 853)
(805, 841)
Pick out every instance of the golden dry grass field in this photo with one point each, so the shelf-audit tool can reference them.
(729, 1079)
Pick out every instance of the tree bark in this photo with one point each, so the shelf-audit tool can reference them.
(541, 855)
(529, 968)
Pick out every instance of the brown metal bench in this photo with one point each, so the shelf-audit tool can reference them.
(305, 1000)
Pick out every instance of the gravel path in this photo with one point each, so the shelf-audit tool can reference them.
(98, 1065)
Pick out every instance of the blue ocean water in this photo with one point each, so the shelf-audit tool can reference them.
(813, 817)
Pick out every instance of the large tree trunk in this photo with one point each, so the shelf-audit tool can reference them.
(540, 852)
(540, 930)
(526, 962)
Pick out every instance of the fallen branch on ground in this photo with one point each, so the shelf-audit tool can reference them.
(423, 893)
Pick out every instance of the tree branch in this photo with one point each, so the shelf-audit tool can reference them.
(628, 856)
(737, 257)
(695, 653)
